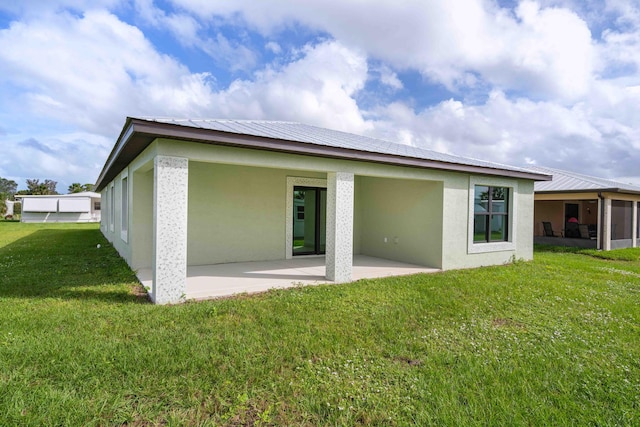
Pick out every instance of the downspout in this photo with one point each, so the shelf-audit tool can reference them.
(601, 225)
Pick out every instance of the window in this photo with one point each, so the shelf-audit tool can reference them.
(40, 204)
(300, 212)
(124, 223)
(96, 206)
(112, 208)
(74, 205)
(490, 214)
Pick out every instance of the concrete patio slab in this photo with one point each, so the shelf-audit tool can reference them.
(220, 280)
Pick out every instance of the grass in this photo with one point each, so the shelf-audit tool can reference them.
(548, 342)
(628, 254)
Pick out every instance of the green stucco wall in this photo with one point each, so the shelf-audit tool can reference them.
(400, 219)
(236, 213)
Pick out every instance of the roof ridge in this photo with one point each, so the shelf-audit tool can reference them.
(204, 119)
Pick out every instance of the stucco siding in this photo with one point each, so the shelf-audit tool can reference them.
(457, 250)
(236, 213)
(141, 230)
(455, 222)
(401, 220)
(525, 220)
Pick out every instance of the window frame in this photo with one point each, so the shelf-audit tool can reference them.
(124, 207)
(112, 207)
(511, 214)
(490, 213)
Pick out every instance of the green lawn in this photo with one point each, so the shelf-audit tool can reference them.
(550, 342)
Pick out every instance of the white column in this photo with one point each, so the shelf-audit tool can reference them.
(606, 221)
(170, 200)
(339, 249)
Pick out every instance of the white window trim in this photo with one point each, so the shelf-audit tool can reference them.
(112, 207)
(124, 234)
(294, 181)
(510, 245)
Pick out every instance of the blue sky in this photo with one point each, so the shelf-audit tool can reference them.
(552, 82)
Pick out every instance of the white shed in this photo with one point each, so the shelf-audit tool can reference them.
(76, 207)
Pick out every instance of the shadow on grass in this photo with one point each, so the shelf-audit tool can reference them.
(66, 263)
(627, 254)
(551, 248)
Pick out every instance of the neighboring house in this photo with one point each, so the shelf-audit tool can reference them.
(606, 212)
(76, 207)
(180, 193)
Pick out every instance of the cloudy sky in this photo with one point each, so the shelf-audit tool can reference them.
(549, 82)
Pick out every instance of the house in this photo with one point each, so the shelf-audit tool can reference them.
(75, 207)
(184, 193)
(586, 211)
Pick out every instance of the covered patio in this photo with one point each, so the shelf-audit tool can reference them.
(220, 280)
(587, 212)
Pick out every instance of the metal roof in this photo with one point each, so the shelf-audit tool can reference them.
(298, 132)
(290, 137)
(567, 181)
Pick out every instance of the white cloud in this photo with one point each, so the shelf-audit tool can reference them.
(183, 26)
(273, 47)
(38, 8)
(389, 77)
(318, 88)
(233, 55)
(190, 33)
(93, 70)
(580, 137)
(64, 157)
(449, 41)
(89, 72)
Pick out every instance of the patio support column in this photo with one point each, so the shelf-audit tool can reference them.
(339, 249)
(170, 200)
(606, 222)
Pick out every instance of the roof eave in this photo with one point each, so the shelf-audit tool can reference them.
(137, 134)
(590, 190)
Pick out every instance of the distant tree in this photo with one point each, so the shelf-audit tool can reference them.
(76, 187)
(497, 194)
(49, 187)
(8, 187)
(7, 191)
(35, 187)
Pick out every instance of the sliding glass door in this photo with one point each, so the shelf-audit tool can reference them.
(309, 220)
